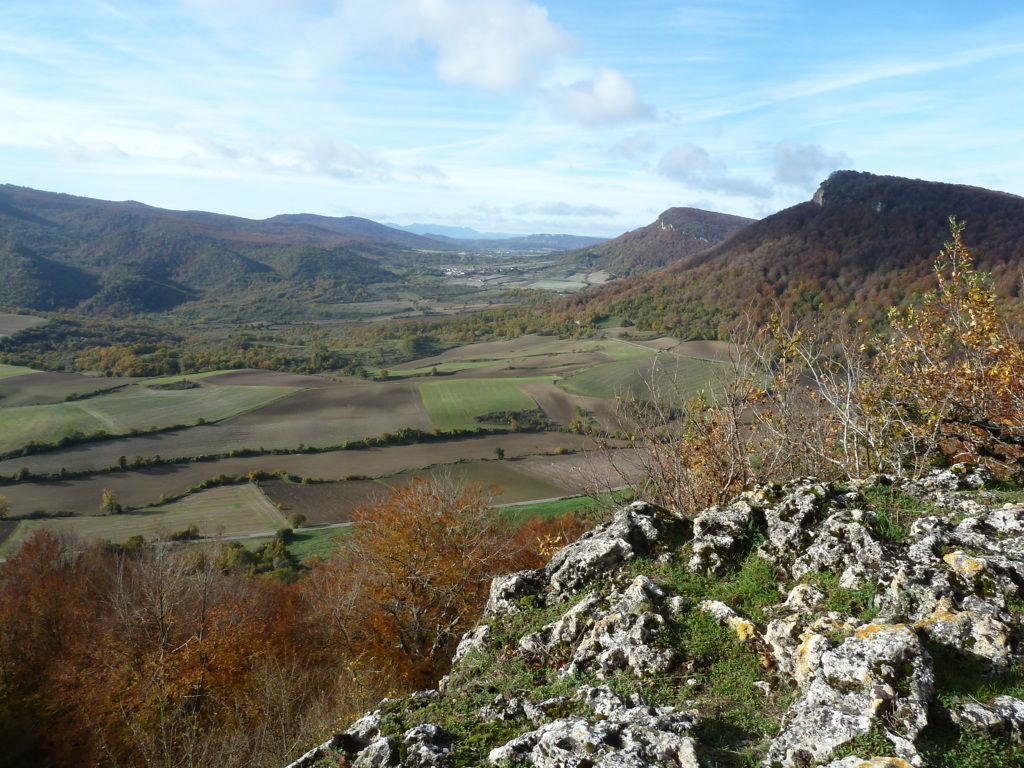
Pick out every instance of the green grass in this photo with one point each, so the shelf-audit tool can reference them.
(9, 371)
(140, 407)
(45, 424)
(581, 505)
(456, 404)
(234, 510)
(621, 350)
(133, 408)
(678, 377)
(312, 541)
(894, 511)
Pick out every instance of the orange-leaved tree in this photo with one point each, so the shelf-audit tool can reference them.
(950, 380)
(415, 575)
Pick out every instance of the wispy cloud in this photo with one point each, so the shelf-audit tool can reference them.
(803, 164)
(607, 98)
(695, 167)
(632, 147)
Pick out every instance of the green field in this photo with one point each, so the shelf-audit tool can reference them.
(133, 408)
(9, 371)
(549, 509)
(673, 376)
(623, 350)
(309, 541)
(235, 510)
(44, 423)
(456, 404)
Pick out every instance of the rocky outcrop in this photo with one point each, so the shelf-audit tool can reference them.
(811, 624)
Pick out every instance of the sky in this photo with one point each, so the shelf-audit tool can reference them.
(570, 116)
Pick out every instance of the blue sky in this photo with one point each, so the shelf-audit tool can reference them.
(587, 117)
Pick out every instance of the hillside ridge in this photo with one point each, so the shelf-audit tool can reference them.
(870, 246)
(674, 235)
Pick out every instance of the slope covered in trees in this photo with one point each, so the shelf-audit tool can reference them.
(678, 232)
(864, 243)
(64, 252)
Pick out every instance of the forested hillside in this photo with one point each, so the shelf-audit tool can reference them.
(677, 233)
(864, 243)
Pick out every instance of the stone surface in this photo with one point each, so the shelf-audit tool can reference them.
(881, 669)
(624, 733)
(634, 531)
(954, 581)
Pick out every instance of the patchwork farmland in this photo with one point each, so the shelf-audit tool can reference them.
(231, 424)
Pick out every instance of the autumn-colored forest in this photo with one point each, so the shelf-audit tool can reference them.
(168, 655)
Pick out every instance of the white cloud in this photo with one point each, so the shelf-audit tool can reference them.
(484, 211)
(564, 209)
(694, 166)
(803, 164)
(496, 45)
(608, 97)
(493, 44)
(315, 155)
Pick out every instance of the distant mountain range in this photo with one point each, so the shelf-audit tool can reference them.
(509, 241)
(457, 233)
(60, 251)
(864, 243)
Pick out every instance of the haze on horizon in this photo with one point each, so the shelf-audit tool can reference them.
(503, 115)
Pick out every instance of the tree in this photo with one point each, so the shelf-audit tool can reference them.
(417, 573)
(110, 503)
(950, 379)
(499, 453)
(5, 506)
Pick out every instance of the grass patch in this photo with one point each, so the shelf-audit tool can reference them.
(944, 745)
(45, 424)
(140, 407)
(309, 541)
(894, 511)
(234, 510)
(583, 506)
(859, 603)
(10, 371)
(637, 376)
(135, 408)
(456, 404)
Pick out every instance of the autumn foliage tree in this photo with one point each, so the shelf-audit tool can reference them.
(417, 571)
(950, 379)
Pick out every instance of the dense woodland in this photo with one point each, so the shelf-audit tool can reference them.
(864, 244)
(169, 654)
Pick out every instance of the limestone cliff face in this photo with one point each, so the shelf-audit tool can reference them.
(801, 625)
